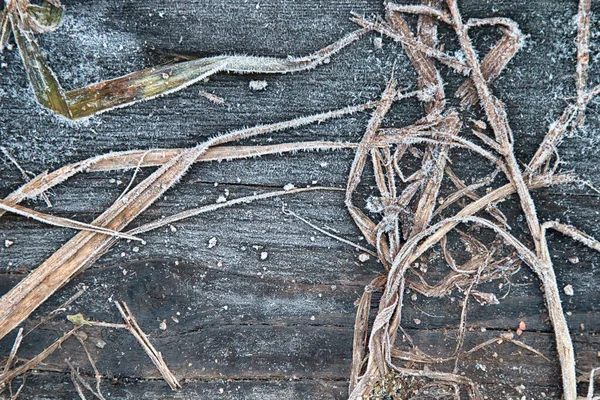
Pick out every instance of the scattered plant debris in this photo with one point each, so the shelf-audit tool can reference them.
(411, 216)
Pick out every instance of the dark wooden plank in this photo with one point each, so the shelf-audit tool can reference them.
(59, 386)
(271, 303)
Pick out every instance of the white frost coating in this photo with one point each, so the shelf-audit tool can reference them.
(378, 43)
(258, 85)
(212, 242)
(89, 37)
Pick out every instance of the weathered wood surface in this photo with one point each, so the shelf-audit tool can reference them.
(280, 327)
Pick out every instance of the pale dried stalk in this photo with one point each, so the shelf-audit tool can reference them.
(141, 337)
(463, 314)
(433, 165)
(5, 378)
(574, 113)
(487, 140)
(447, 138)
(590, 393)
(583, 57)
(77, 380)
(433, 162)
(86, 247)
(417, 356)
(216, 206)
(492, 209)
(493, 197)
(454, 197)
(496, 59)
(420, 10)
(358, 164)
(553, 138)
(13, 351)
(366, 226)
(435, 157)
(62, 222)
(54, 313)
(508, 337)
(497, 118)
(429, 78)
(573, 232)
(16, 395)
(361, 331)
(385, 29)
(23, 172)
(492, 64)
(386, 323)
(323, 231)
(4, 30)
(380, 344)
(462, 276)
(97, 375)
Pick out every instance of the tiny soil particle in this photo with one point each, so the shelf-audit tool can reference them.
(569, 290)
(364, 257)
(574, 259)
(521, 328)
(163, 325)
(212, 242)
(8, 243)
(264, 255)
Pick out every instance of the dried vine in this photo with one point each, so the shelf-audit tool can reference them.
(373, 366)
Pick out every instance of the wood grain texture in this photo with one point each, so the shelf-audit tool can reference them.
(280, 327)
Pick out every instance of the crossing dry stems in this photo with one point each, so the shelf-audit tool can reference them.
(87, 246)
(96, 238)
